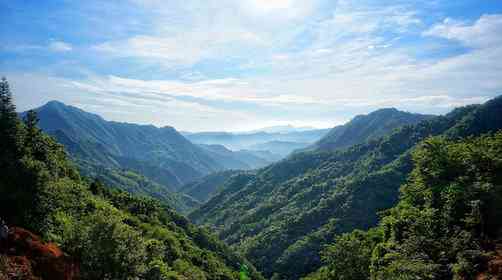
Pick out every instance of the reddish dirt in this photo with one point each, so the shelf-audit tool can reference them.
(494, 270)
(28, 257)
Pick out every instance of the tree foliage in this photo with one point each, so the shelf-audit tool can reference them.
(444, 225)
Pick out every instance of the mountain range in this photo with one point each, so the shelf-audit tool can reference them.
(359, 130)
(281, 216)
(162, 155)
(278, 141)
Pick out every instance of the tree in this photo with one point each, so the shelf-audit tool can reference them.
(31, 121)
(8, 114)
(6, 97)
(112, 250)
(32, 131)
(8, 117)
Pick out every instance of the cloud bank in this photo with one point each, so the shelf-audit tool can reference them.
(195, 65)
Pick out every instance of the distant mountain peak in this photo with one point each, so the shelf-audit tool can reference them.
(54, 103)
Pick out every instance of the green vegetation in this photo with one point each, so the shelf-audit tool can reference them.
(282, 216)
(207, 186)
(421, 202)
(137, 184)
(444, 225)
(113, 234)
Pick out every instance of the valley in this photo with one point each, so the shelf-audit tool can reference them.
(279, 216)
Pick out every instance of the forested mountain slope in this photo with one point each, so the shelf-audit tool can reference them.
(243, 160)
(161, 154)
(136, 183)
(446, 225)
(112, 234)
(365, 127)
(282, 216)
(205, 187)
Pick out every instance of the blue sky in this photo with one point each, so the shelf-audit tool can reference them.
(205, 65)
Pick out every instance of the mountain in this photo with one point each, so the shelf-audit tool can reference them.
(282, 148)
(254, 140)
(104, 233)
(205, 187)
(161, 154)
(446, 224)
(281, 216)
(261, 154)
(365, 127)
(241, 159)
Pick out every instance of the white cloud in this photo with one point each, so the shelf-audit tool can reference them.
(183, 48)
(60, 46)
(485, 32)
(182, 35)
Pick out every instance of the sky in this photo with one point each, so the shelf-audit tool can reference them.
(213, 65)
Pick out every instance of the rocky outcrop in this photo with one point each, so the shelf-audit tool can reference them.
(28, 257)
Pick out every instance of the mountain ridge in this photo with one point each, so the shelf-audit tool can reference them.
(282, 215)
(365, 127)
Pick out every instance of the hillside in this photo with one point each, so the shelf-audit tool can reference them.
(113, 234)
(205, 187)
(284, 214)
(136, 183)
(366, 127)
(446, 225)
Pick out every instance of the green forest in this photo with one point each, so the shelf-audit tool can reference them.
(113, 234)
(407, 197)
(445, 226)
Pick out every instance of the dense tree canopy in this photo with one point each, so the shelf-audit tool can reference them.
(444, 226)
